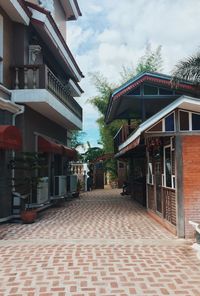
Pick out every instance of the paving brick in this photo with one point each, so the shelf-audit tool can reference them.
(101, 244)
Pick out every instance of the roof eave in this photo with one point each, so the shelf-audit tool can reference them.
(66, 51)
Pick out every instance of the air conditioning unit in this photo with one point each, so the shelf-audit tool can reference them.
(72, 183)
(43, 190)
(60, 185)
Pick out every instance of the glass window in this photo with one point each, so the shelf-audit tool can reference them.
(1, 49)
(195, 121)
(150, 90)
(150, 173)
(167, 167)
(184, 121)
(135, 92)
(169, 123)
(165, 92)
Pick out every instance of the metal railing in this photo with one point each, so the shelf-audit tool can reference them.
(41, 77)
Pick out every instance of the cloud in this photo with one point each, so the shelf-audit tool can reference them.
(115, 33)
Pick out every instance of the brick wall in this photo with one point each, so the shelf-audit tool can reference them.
(191, 181)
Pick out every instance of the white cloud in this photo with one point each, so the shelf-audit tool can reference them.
(114, 33)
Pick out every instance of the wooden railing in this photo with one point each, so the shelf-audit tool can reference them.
(41, 77)
(122, 135)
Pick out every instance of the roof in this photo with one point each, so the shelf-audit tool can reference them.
(37, 19)
(77, 7)
(150, 77)
(71, 9)
(184, 102)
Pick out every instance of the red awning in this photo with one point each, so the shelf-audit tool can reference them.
(10, 137)
(45, 145)
(69, 152)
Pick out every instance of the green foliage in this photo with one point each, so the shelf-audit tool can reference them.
(92, 154)
(151, 61)
(27, 166)
(77, 139)
(107, 132)
(188, 69)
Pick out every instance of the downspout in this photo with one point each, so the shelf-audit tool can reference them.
(13, 152)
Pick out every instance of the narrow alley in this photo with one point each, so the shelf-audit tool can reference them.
(100, 244)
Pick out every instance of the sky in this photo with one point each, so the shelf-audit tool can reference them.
(112, 34)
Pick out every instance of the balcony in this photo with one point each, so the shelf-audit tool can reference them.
(41, 77)
(122, 135)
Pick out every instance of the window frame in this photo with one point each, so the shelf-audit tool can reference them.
(163, 123)
(173, 177)
(190, 113)
(194, 130)
(148, 174)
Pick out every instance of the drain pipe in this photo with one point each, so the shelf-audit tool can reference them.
(21, 111)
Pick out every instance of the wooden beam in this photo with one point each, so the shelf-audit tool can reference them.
(179, 182)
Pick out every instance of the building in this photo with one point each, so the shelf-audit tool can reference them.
(163, 150)
(39, 79)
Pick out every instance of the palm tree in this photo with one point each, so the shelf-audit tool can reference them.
(188, 69)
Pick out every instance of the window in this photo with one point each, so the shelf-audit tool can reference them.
(184, 121)
(189, 121)
(165, 92)
(169, 123)
(150, 173)
(135, 92)
(167, 167)
(1, 49)
(150, 90)
(195, 122)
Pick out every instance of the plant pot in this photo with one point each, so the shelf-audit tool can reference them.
(28, 216)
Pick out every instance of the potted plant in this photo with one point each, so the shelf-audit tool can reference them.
(26, 181)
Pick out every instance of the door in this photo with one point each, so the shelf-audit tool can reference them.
(158, 180)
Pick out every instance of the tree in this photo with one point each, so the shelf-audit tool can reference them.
(92, 154)
(77, 139)
(150, 61)
(188, 69)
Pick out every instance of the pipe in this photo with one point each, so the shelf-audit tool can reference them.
(21, 111)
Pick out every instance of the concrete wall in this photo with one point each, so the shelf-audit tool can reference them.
(5, 185)
(60, 18)
(31, 122)
(5, 173)
(191, 181)
(7, 48)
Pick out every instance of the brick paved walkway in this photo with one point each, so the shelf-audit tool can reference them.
(102, 244)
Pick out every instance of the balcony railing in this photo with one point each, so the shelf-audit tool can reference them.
(41, 77)
(122, 135)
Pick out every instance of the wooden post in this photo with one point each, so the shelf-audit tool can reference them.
(34, 77)
(180, 224)
(16, 78)
(25, 78)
